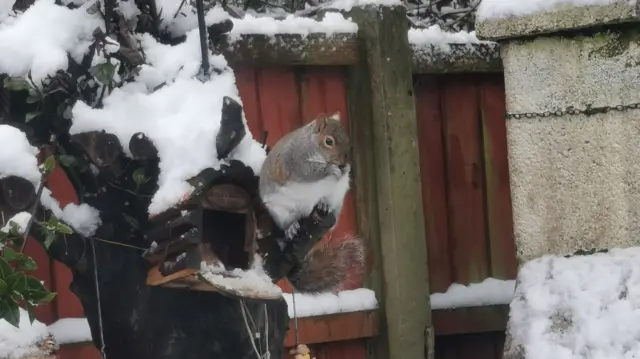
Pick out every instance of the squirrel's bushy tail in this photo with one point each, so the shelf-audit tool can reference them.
(328, 265)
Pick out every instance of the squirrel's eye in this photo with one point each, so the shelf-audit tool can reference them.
(328, 141)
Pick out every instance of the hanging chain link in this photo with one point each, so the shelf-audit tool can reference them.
(588, 111)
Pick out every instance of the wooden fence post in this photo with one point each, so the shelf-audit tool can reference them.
(388, 182)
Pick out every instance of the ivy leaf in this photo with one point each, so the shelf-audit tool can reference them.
(49, 237)
(4, 287)
(63, 228)
(139, 177)
(29, 264)
(47, 298)
(29, 307)
(30, 116)
(10, 255)
(15, 84)
(132, 221)
(10, 312)
(36, 292)
(48, 165)
(17, 282)
(103, 72)
(5, 269)
(67, 160)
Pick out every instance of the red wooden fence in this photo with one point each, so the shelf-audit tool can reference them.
(466, 197)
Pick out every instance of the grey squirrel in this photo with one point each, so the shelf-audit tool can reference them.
(306, 168)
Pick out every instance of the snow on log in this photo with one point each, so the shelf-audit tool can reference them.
(29, 341)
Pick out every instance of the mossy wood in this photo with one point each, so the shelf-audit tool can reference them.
(388, 181)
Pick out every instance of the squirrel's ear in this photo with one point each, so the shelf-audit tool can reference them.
(335, 116)
(320, 124)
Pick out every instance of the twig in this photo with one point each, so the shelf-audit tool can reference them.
(34, 209)
(203, 38)
(179, 8)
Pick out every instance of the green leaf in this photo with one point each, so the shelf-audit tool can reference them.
(48, 165)
(10, 255)
(103, 72)
(63, 228)
(67, 160)
(36, 292)
(29, 264)
(138, 176)
(10, 312)
(15, 84)
(15, 229)
(5, 269)
(132, 221)
(17, 282)
(47, 298)
(30, 116)
(4, 287)
(49, 237)
(29, 308)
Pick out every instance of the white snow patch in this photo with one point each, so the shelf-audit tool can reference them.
(495, 9)
(309, 305)
(182, 118)
(18, 157)
(253, 281)
(40, 38)
(83, 218)
(71, 330)
(578, 307)
(434, 35)
(17, 343)
(20, 219)
(347, 5)
(491, 291)
(332, 23)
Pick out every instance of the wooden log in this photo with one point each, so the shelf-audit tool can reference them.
(232, 129)
(291, 50)
(387, 172)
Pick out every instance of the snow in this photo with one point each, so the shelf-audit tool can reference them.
(50, 31)
(436, 37)
(182, 118)
(495, 9)
(332, 23)
(347, 5)
(20, 219)
(83, 218)
(309, 305)
(491, 291)
(18, 157)
(71, 330)
(578, 307)
(253, 282)
(17, 343)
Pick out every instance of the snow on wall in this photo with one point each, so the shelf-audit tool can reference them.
(491, 291)
(71, 330)
(18, 157)
(494, 9)
(577, 308)
(309, 305)
(17, 343)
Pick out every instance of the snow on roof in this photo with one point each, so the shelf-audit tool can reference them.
(434, 37)
(491, 291)
(493, 9)
(18, 343)
(577, 308)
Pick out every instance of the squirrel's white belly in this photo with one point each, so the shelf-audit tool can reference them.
(294, 201)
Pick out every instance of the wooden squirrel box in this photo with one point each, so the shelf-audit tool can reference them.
(214, 231)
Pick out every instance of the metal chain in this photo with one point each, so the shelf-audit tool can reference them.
(571, 110)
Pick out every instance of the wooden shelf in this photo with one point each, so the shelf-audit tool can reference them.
(491, 318)
(332, 328)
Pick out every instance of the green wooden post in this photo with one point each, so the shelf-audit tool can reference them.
(388, 182)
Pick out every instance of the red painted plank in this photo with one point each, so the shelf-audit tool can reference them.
(44, 313)
(466, 180)
(434, 186)
(499, 213)
(79, 351)
(248, 90)
(352, 349)
(66, 303)
(279, 102)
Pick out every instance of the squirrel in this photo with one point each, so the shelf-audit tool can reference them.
(306, 168)
(326, 267)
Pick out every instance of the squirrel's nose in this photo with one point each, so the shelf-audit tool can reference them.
(342, 167)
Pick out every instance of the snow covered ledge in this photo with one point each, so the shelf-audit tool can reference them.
(499, 19)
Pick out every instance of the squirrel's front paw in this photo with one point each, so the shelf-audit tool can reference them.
(292, 231)
(323, 208)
